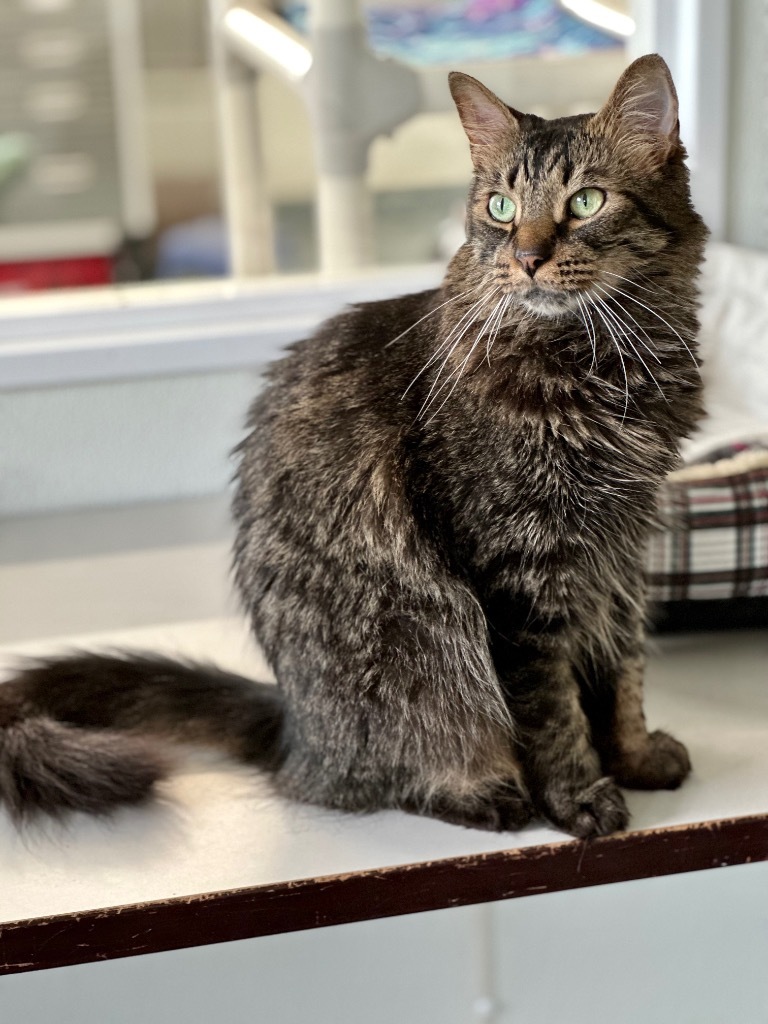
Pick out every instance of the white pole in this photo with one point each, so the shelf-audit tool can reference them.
(334, 83)
(247, 210)
(345, 223)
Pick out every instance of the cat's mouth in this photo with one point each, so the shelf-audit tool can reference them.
(548, 302)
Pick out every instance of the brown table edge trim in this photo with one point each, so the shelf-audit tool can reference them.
(208, 918)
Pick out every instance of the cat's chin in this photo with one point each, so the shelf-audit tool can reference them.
(549, 304)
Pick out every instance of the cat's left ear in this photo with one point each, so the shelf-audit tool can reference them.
(488, 122)
(642, 112)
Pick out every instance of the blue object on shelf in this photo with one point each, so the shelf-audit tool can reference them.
(448, 31)
(196, 248)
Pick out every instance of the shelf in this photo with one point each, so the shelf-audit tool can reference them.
(220, 858)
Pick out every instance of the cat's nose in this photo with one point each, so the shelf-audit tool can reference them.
(531, 259)
(533, 243)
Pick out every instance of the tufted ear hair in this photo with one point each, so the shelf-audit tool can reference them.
(641, 114)
(488, 122)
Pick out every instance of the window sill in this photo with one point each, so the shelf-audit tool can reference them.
(190, 327)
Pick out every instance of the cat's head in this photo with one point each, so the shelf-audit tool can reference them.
(560, 207)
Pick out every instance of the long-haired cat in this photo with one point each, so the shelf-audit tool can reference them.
(441, 512)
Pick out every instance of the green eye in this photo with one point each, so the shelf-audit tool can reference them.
(502, 208)
(587, 202)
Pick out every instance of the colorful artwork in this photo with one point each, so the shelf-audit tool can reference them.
(445, 31)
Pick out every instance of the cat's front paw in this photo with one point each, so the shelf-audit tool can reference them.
(597, 810)
(663, 763)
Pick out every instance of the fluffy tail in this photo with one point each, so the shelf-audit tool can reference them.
(76, 733)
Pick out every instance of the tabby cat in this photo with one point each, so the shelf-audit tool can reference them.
(441, 512)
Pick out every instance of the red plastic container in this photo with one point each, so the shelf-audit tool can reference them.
(66, 273)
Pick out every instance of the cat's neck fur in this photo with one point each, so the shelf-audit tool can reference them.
(555, 370)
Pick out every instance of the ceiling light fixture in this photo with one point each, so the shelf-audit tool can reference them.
(601, 16)
(266, 39)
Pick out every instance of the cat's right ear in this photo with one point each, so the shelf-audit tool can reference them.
(487, 121)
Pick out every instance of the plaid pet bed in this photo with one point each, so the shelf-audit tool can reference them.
(715, 542)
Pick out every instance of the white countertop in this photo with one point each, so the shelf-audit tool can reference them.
(217, 827)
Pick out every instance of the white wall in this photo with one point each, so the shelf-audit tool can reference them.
(120, 441)
(685, 949)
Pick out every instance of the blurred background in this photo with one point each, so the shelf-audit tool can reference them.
(113, 164)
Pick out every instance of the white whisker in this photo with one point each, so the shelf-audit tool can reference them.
(499, 324)
(455, 373)
(612, 297)
(469, 316)
(488, 327)
(590, 328)
(495, 321)
(644, 277)
(661, 318)
(623, 327)
(426, 316)
(617, 346)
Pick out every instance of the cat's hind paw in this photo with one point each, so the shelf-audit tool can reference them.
(663, 763)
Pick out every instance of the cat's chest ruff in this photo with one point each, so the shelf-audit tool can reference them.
(539, 475)
(561, 412)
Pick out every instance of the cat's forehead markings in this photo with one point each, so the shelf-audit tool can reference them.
(545, 151)
(566, 159)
